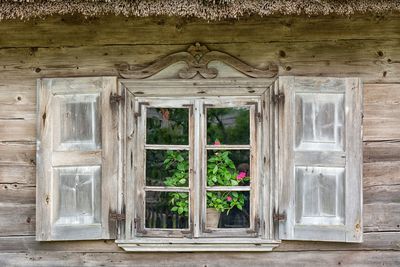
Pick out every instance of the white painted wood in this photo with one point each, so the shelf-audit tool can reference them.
(197, 245)
(77, 158)
(320, 159)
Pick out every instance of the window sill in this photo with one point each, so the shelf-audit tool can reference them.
(193, 245)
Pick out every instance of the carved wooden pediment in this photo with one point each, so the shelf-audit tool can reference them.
(197, 61)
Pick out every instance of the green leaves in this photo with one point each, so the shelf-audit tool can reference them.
(221, 171)
(178, 165)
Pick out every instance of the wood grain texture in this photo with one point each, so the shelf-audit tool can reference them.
(17, 220)
(381, 217)
(381, 173)
(312, 58)
(307, 258)
(17, 193)
(57, 31)
(382, 112)
(22, 130)
(18, 153)
(381, 151)
(18, 243)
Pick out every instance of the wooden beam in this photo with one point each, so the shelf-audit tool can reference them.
(306, 258)
(56, 31)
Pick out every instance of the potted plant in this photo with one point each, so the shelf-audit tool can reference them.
(221, 171)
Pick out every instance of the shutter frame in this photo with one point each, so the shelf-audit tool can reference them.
(53, 161)
(351, 229)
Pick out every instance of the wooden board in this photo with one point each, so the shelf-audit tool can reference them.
(56, 31)
(381, 173)
(374, 60)
(372, 241)
(17, 153)
(18, 130)
(306, 258)
(17, 99)
(381, 151)
(17, 219)
(17, 194)
(381, 217)
(382, 112)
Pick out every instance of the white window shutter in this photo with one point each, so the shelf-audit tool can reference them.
(320, 159)
(77, 157)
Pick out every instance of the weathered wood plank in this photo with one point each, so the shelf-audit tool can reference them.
(382, 194)
(330, 58)
(381, 151)
(306, 258)
(17, 194)
(18, 154)
(17, 220)
(17, 174)
(381, 217)
(381, 173)
(18, 130)
(381, 112)
(372, 241)
(110, 30)
(17, 98)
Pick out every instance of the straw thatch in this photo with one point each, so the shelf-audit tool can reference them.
(206, 9)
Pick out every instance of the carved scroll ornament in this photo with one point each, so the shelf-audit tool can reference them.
(197, 58)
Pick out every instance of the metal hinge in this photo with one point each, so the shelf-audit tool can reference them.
(117, 216)
(280, 97)
(279, 217)
(116, 98)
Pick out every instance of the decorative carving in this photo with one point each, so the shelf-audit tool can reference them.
(197, 58)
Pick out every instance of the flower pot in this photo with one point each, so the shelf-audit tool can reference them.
(212, 218)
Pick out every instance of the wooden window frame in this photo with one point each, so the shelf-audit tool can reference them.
(260, 236)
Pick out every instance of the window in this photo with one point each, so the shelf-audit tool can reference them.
(195, 165)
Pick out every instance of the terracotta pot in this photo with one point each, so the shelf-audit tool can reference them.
(212, 218)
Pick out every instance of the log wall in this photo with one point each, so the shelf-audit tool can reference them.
(364, 46)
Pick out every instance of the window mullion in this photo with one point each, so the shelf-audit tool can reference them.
(197, 190)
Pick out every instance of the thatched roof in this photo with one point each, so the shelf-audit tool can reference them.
(207, 9)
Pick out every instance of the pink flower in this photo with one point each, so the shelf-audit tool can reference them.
(217, 143)
(229, 198)
(241, 175)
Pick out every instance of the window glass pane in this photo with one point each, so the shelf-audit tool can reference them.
(167, 210)
(167, 126)
(228, 209)
(228, 168)
(167, 168)
(228, 126)
(78, 195)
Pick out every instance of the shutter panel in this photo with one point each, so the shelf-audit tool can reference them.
(77, 157)
(320, 188)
